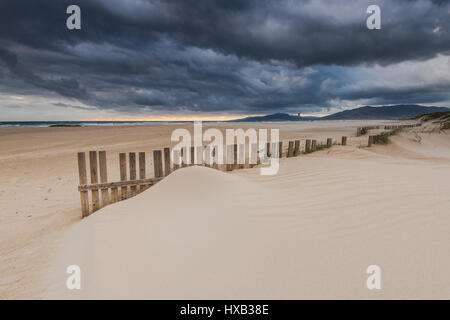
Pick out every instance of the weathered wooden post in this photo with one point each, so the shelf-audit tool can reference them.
(123, 175)
(142, 173)
(235, 155)
(166, 161)
(176, 159)
(297, 148)
(280, 149)
(313, 145)
(94, 180)
(103, 177)
(344, 140)
(192, 156)
(184, 156)
(132, 163)
(329, 142)
(230, 157)
(199, 159)
(215, 159)
(307, 146)
(290, 149)
(253, 155)
(268, 149)
(369, 143)
(241, 156)
(84, 197)
(207, 156)
(157, 163)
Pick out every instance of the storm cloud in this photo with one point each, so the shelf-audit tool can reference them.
(171, 57)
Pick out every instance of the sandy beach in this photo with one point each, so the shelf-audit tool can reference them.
(308, 232)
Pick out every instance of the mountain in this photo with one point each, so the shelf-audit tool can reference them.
(274, 118)
(364, 113)
(384, 113)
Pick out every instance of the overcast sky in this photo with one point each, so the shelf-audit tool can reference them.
(204, 58)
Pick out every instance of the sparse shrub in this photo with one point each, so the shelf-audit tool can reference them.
(321, 146)
(383, 138)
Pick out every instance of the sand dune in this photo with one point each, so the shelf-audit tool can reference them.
(308, 232)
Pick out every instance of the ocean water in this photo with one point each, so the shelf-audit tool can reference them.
(84, 123)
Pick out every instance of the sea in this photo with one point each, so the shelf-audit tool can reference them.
(86, 123)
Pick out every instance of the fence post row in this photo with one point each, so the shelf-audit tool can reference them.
(162, 165)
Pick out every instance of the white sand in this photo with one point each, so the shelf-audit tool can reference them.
(308, 232)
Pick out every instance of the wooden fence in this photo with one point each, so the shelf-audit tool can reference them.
(133, 174)
(363, 130)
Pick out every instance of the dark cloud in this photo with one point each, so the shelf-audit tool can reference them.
(237, 56)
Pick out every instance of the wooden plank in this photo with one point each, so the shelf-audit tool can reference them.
(132, 164)
(344, 140)
(207, 156)
(123, 175)
(253, 155)
(313, 145)
(290, 149)
(235, 156)
(184, 157)
(94, 179)
(103, 177)
(192, 162)
(84, 197)
(147, 181)
(166, 161)
(114, 195)
(297, 148)
(369, 143)
(241, 156)
(215, 158)
(268, 150)
(199, 152)
(230, 158)
(329, 142)
(157, 163)
(280, 149)
(142, 172)
(307, 146)
(176, 159)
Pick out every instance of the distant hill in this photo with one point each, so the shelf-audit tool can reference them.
(275, 118)
(384, 113)
(364, 113)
